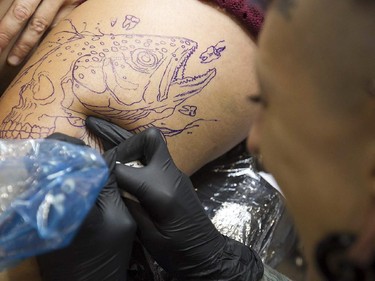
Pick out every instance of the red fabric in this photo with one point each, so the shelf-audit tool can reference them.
(246, 12)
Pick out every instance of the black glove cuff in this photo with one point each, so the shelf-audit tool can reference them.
(236, 261)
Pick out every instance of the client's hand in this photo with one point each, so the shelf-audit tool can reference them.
(171, 221)
(101, 249)
(31, 19)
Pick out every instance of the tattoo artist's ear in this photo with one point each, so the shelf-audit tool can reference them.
(66, 138)
(363, 250)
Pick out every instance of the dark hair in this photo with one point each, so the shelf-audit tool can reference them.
(262, 4)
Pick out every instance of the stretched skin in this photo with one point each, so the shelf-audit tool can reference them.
(140, 63)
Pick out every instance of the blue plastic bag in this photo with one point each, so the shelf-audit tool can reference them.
(47, 188)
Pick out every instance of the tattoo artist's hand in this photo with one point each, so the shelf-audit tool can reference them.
(102, 247)
(172, 224)
(30, 19)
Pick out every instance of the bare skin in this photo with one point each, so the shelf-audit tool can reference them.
(139, 64)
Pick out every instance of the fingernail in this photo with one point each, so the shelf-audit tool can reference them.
(14, 60)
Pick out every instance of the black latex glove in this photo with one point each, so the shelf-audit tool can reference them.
(102, 247)
(172, 224)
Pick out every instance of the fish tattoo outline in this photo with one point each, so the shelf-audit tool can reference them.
(123, 69)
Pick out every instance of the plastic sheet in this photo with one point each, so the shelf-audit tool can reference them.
(244, 206)
(46, 189)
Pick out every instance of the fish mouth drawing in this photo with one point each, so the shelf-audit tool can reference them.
(178, 84)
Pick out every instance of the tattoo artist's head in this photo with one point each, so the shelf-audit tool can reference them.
(315, 127)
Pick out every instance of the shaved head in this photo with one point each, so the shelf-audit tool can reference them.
(315, 129)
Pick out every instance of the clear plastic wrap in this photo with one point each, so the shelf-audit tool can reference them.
(244, 206)
(46, 189)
